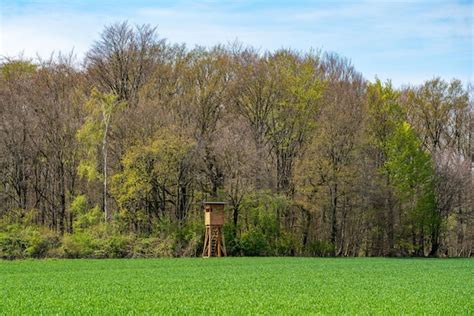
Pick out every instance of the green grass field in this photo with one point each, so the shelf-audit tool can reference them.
(238, 286)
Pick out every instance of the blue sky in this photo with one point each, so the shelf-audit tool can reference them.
(406, 41)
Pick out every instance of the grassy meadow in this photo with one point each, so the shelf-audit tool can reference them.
(238, 286)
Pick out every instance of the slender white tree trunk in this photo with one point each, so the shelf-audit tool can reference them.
(104, 153)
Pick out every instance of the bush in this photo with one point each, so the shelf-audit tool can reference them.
(193, 245)
(142, 248)
(17, 242)
(118, 246)
(165, 247)
(233, 243)
(12, 246)
(287, 245)
(81, 245)
(321, 248)
(190, 238)
(42, 243)
(260, 213)
(152, 247)
(254, 244)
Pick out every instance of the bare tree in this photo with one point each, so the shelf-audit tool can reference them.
(122, 59)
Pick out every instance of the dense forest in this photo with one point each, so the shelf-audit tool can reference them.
(112, 156)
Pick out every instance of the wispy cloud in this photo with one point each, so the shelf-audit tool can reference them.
(408, 41)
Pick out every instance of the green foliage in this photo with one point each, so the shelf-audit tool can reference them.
(385, 113)
(232, 238)
(90, 218)
(291, 117)
(254, 243)
(300, 88)
(118, 246)
(406, 167)
(152, 247)
(42, 243)
(84, 216)
(85, 245)
(262, 234)
(79, 205)
(190, 238)
(89, 135)
(93, 239)
(79, 245)
(100, 107)
(150, 172)
(12, 243)
(408, 163)
(412, 176)
(321, 248)
(17, 242)
(103, 105)
(14, 69)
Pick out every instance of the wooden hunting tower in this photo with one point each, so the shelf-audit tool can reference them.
(214, 244)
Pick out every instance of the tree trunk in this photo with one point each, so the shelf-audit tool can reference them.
(62, 198)
(434, 240)
(235, 214)
(307, 215)
(104, 153)
(390, 220)
(333, 216)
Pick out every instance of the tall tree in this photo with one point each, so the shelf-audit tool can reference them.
(254, 93)
(439, 112)
(329, 164)
(291, 118)
(412, 178)
(209, 78)
(122, 59)
(101, 108)
(385, 114)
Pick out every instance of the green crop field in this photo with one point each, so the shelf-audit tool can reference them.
(238, 286)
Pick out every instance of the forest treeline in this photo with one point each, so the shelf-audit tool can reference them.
(112, 157)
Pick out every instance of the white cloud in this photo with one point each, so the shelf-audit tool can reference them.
(417, 37)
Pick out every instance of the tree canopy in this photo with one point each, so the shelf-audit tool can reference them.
(114, 158)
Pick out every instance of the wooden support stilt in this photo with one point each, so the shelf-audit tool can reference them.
(218, 241)
(209, 246)
(223, 246)
(206, 242)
